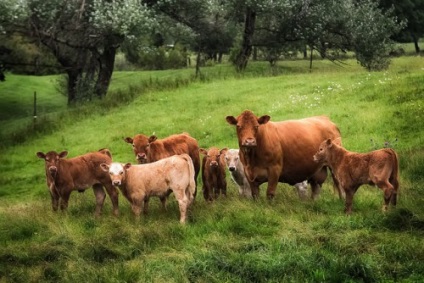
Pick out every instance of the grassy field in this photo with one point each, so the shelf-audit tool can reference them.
(232, 239)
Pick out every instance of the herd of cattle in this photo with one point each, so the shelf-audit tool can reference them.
(296, 152)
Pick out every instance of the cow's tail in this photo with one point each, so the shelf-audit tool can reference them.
(191, 189)
(394, 176)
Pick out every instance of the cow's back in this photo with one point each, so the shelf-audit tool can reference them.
(86, 168)
(296, 141)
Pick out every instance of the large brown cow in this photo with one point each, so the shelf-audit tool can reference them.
(78, 173)
(213, 173)
(151, 149)
(281, 151)
(139, 182)
(351, 169)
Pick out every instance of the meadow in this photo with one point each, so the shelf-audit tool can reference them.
(232, 239)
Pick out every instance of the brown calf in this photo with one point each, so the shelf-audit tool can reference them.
(78, 173)
(213, 173)
(139, 182)
(351, 169)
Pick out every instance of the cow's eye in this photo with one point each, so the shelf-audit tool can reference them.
(256, 127)
(47, 158)
(121, 172)
(133, 145)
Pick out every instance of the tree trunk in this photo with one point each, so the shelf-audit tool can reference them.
(73, 77)
(198, 64)
(415, 39)
(246, 48)
(106, 65)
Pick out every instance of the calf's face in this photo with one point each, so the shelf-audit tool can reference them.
(141, 146)
(247, 125)
(323, 152)
(52, 160)
(116, 171)
(213, 156)
(232, 159)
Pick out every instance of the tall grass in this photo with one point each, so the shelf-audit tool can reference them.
(231, 239)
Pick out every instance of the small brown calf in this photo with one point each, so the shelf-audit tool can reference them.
(351, 169)
(213, 173)
(78, 173)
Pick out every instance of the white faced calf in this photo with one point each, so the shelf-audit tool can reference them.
(139, 182)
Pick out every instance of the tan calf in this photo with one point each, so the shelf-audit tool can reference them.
(351, 169)
(139, 182)
(79, 173)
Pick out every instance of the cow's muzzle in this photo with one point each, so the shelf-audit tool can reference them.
(232, 168)
(249, 142)
(214, 164)
(116, 183)
(53, 170)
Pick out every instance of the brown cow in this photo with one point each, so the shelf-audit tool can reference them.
(78, 173)
(139, 182)
(281, 151)
(213, 173)
(351, 169)
(151, 149)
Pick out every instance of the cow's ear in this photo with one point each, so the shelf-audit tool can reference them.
(264, 119)
(104, 167)
(338, 141)
(231, 120)
(128, 140)
(203, 151)
(41, 155)
(224, 150)
(127, 166)
(63, 154)
(152, 138)
(329, 142)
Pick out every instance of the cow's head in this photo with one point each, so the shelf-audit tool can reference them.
(52, 160)
(117, 172)
(325, 149)
(141, 146)
(247, 125)
(232, 159)
(213, 156)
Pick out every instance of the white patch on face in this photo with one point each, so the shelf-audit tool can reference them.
(116, 168)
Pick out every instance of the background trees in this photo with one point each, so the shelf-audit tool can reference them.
(85, 35)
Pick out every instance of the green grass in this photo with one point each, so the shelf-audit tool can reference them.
(233, 239)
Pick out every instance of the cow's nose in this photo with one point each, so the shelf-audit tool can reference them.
(116, 183)
(214, 163)
(141, 155)
(232, 168)
(249, 142)
(53, 169)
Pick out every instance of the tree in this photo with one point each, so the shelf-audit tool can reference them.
(84, 35)
(412, 12)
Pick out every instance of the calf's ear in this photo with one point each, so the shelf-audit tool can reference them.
(127, 166)
(203, 151)
(41, 155)
(329, 143)
(224, 150)
(63, 154)
(128, 140)
(104, 167)
(152, 138)
(338, 141)
(231, 120)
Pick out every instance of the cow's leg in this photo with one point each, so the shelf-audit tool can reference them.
(100, 195)
(388, 191)
(254, 186)
(224, 187)
(183, 203)
(337, 187)
(136, 207)
(113, 194)
(163, 202)
(395, 185)
(65, 198)
(273, 176)
(146, 205)
(349, 200)
(55, 199)
(315, 189)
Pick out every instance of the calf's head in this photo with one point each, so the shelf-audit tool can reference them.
(141, 146)
(232, 159)
(247, 125)
(52, 160)
(325, 150)
(213, 156)
(116, 171)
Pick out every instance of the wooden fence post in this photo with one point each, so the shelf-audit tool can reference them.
(34, 121)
